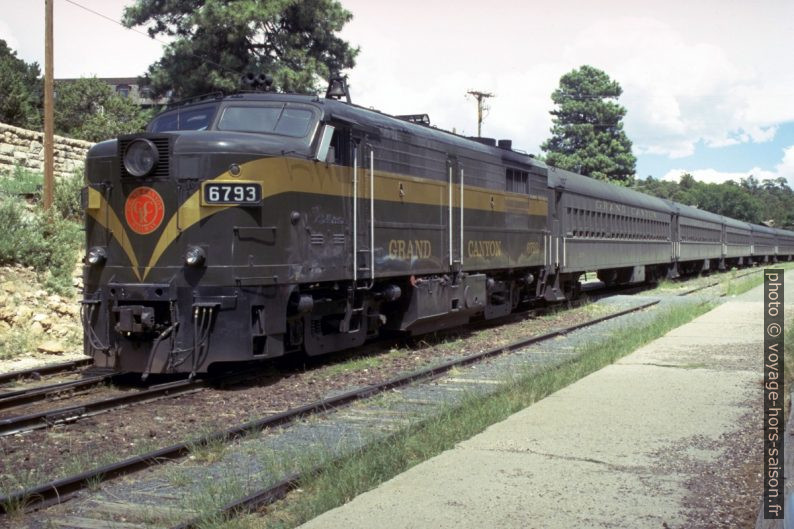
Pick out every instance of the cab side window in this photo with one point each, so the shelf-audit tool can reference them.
(341, 150)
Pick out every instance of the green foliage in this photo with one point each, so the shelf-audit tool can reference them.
(90, 110)
(216, 41)
(40, 239)
(20, 90)
(21, 181)
(748, 200)
(587, 131)
(66, 196)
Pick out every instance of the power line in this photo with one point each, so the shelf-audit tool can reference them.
(97, 13)
(152, 37)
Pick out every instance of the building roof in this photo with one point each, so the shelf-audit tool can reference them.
(108, 80)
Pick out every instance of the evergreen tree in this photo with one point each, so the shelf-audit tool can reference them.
(89, 109)
(587, 131)
(216, 41)
(20, 90)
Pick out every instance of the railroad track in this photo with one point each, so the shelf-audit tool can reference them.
(15, 398)
(277, 491)
(280, 489)
(37, 372)
(70, 414)
(12, 399)
(51, 417)
(63, 489)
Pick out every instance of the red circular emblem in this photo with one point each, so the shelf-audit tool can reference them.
(144, 210)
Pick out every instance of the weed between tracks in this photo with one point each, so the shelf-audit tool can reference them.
(734, 286)
(383, 460)
(343, 479)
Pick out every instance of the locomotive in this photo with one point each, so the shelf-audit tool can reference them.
(249, 226)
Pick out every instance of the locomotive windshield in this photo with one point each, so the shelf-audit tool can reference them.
(268, 119)
(193, 118)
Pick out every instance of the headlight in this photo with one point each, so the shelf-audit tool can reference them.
(96, 255)
(195, 256)
(140, 157)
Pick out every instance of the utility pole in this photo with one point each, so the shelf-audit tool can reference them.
(479, 96)
(49, 148)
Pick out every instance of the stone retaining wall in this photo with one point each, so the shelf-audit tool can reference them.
(24, 148)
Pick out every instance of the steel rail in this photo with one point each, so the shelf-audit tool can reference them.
(26, 396)
(60, 490)
(697, 289)
(284, 486)
(32, 421)
(45, 370)
(716, 283)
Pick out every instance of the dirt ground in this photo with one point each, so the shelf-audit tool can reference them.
(36, 327)
(41, 455)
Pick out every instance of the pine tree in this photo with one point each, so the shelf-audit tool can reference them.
(89, 109)
(20, 90)
(587, 131)
(216, 41)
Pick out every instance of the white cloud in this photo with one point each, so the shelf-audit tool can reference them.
(784, 169)
(8, 36)
(714, 75)
(679, 90)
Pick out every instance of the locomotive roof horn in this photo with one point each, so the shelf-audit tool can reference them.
(337, 87)
(260, 81)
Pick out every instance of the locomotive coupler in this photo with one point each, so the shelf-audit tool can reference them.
(134, 318)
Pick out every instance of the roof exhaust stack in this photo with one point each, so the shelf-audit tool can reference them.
(506, 145)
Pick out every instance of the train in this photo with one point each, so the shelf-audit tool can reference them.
(254, 225)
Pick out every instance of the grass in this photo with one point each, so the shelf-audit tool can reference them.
(17, 482)
(345, 479)
(17, 341)
(40, 239)
(342, 479)
(48, 241)
(354, 364)
(207, 452)
(73, 462)
(734, 287)
(66, 194)
(21, 181)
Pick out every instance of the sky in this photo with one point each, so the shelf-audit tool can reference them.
(707, 85)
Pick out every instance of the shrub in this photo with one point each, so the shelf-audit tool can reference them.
(21, 182)
(42, 240)
(66, 197)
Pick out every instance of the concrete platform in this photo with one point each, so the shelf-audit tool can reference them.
(626, 447)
